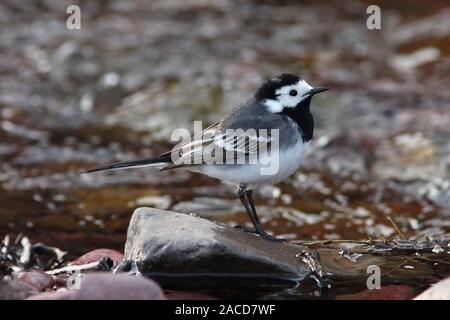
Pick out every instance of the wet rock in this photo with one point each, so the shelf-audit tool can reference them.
(439, 291)
(168, 243)
(25, 285)
(391, 292)
(108, 287)
(97, 255)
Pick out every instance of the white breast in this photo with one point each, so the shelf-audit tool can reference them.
(291, 159)
(257, 174)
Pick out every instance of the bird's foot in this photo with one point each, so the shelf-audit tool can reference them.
(260, 232)
(267, 236)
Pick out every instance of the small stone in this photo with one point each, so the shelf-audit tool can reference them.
(438, 291)
(38, 280)
(53, 295)
(101, 286)
(13, 290)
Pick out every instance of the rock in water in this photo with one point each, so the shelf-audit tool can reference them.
(165, 243)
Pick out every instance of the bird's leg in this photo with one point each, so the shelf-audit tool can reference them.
(249, 194)
(259, 229)
(242, 196)
(245, 196)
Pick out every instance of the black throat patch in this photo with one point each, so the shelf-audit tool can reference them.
(303, 117)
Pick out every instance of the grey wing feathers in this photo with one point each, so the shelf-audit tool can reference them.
(219, 146)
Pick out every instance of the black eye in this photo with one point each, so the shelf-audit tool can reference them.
(293, 93)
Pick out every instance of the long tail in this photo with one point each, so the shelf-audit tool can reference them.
(152, 162)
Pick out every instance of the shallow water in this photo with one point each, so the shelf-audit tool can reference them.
(116, 89)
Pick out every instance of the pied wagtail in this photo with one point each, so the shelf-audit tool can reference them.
(282, 104)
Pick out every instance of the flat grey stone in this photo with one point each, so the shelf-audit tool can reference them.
(166, 243)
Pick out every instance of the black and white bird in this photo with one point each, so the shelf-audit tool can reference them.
(281, 126)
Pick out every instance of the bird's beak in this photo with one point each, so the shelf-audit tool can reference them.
(315, 90)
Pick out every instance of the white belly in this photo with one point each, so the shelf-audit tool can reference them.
(267, 171)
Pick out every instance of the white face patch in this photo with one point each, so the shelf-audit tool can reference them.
(285, 99)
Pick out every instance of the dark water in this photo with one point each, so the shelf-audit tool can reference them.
(116, 89)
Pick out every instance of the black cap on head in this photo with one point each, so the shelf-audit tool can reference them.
(267, 90)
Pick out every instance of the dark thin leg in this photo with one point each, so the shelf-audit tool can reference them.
(249, 194)
(246, 198)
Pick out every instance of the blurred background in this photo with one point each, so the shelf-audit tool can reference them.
(115, 90)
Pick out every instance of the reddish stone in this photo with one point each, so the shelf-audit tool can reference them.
(97, 255)
(438, 291)
(37, 280)
(52, 295)
(391, 292)
(13, 290)
(107, 286)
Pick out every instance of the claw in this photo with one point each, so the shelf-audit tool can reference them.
(267, 236)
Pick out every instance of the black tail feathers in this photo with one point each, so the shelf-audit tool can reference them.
(160, 161)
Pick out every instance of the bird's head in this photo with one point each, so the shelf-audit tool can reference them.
(285, 91)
